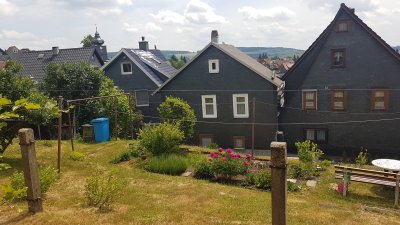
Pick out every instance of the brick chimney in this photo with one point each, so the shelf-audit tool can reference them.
(56, 50)
(214, 36)
(144, 45)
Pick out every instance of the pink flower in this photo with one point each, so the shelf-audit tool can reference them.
(232, 155)
(246, 163)
(220, 149)
(248, 156)
(229, 150)
(224, 159)
(238, 156)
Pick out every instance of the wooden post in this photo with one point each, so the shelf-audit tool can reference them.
(252, 127)
(70, 127)
(30, 167)
(279, 183)
(396, 194)
(116, 118)
(60, 100)
(345, 183)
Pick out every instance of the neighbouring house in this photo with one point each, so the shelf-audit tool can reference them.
(220, 84)
(140, 71)
(343, 93)
(34, 62)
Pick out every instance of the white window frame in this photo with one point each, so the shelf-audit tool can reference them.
(302, 98)
(122, 68)
(246, 109)
(214, 104)
(210, 69)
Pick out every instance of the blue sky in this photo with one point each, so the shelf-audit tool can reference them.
(184, 24)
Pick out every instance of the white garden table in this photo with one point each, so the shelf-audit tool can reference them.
(387, 164)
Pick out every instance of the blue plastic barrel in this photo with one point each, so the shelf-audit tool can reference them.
(101, 127)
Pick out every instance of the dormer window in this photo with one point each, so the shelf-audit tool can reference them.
(338, 57)
(213, 66)
(342, 26)
(126, 68)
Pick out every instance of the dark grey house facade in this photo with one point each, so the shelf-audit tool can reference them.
(343, 93)
(140, 71)
(34, 62)
(220, 83)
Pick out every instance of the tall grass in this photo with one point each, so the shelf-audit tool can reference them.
(167, 164)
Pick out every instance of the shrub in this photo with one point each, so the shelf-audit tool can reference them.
(251, 179)
(102, 189)
(302, 170)
(213, 145)
(126, 155)
(4, 166)
(202, 170)
(176, 111)
(362, 158)
(264, 180)
(292, 187)
(226, 164)
(162, 139)
(16, 190)
(76, 156)
(324, 164)
(308, 151)
(166, 164)
(48, 175)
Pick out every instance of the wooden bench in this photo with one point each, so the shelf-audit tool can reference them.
(368, 176)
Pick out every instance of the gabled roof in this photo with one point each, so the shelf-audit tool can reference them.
(237, 55)
(150, 62)
(324, 34)
(35, 62)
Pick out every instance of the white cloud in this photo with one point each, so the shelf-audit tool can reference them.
(275, 13)
(333, 5)
(7, 8)
(199, 12)
(17, 36)
(24, 39)
(151, 27)
(144, 29)
(169, 17)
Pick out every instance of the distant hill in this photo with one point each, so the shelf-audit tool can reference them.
(254, 52)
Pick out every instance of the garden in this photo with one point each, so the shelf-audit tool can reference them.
(155, 179)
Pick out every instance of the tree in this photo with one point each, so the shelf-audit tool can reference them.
(87, 40)
(177, 63)
(176, 111)
(12, 85)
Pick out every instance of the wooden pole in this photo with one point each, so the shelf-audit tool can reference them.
(60, 100)
(70, 128)
(252, 127)
(30, 167)
(116, 118)
(279, 183)
(74, 122)
(131, 111)
(396, 194)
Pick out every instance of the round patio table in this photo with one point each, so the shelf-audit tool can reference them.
(387, 164)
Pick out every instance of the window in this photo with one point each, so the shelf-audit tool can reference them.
(213, 66)
(309, 99)
(240, 106)
(339, 100)
(338, 57)
(142, 98)
(316, 135)
(238, 142)
(126, 68)
(380, 99)
(206, 139)
(342, 26)
(209, 105)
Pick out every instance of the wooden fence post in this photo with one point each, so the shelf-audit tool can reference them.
(396, 194)
(30, 167)
(279, 183)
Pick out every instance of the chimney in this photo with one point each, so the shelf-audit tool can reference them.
(214, 36)
(144, 45)
(56, 50)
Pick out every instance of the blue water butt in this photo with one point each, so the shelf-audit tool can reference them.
(101, 127)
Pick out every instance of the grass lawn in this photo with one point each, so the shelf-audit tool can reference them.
(150, 198)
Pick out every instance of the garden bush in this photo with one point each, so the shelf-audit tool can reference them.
(293, 187)
(76, 156)
(264, 180)
(251, 179)
(48, 175)
(362, 158)
(166, 164)
(3, 165)
(177, 111)
(102, 189)
(202, 170)
(162, 139)
(302, 170)
(308, 151)
(225, 164)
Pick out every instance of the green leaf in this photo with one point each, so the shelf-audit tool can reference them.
(32, 106)
(21, 101)
(4, 101)
(8, 115)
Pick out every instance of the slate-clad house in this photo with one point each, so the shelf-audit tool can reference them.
(220, 83)
(141, 71)
(34, 62)
(344, 91)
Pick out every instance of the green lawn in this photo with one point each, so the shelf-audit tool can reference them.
(160, 199)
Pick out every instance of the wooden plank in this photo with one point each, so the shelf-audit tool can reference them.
(396, 194)
(364, 170)
(383, 178)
